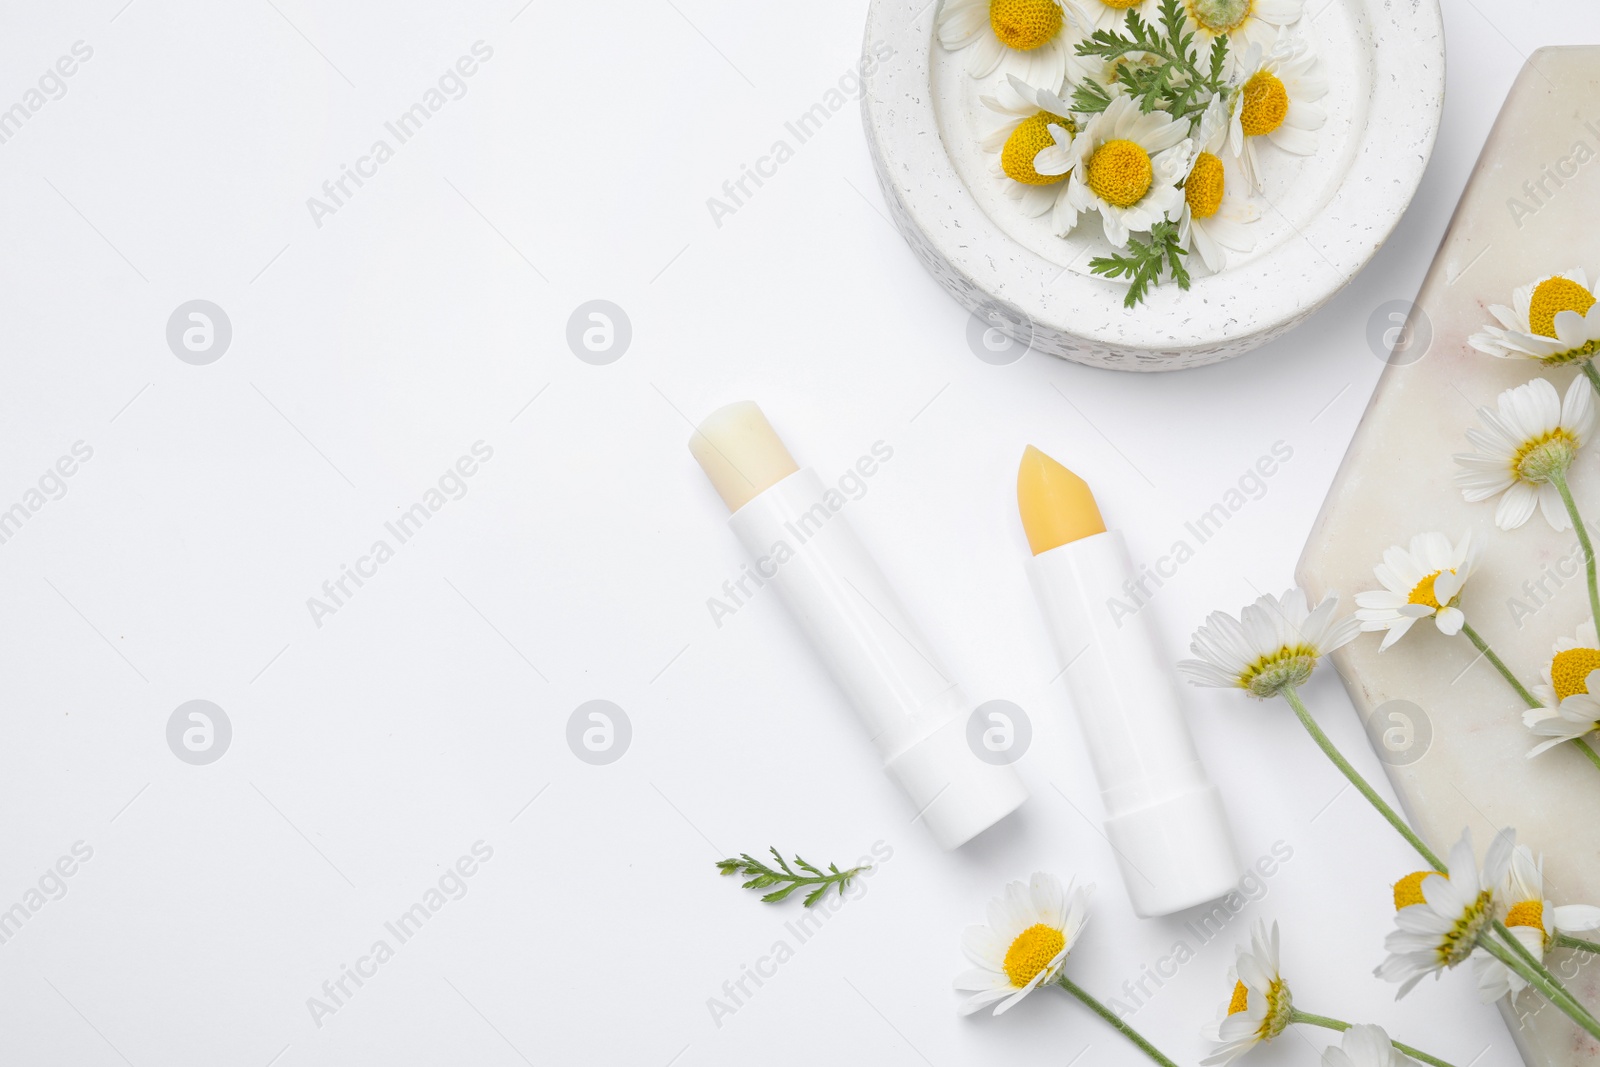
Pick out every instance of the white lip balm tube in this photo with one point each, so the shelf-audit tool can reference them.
(913, 712)
(1164, 818)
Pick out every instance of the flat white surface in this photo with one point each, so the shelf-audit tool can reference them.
(430, 313)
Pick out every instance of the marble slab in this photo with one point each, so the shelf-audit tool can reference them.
(1531, 208)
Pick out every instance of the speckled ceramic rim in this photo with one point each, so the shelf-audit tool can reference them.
(1220, 317)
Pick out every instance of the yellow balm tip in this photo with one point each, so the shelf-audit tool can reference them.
(1057, 506)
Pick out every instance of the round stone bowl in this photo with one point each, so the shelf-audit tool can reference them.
(1323, 216)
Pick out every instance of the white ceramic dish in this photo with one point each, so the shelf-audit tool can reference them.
(1324, 215)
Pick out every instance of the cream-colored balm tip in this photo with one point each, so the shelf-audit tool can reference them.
(741, 453)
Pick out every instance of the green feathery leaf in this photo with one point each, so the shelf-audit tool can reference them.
(1145, 262)
(763, 876)
(1090, 97)
(1156, 63)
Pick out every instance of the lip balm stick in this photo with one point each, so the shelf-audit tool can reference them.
(913, 712)
(1164, 818)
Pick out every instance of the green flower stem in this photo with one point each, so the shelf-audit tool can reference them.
(1356, 780)
(1121, 1027)
(1522, 690)
(1552, 991)
(1568, 941)
(1499, 664)
(1559, 480)
(1590, 373)
(1341, 1026)
(1537, 965)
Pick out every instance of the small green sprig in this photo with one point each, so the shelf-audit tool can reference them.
(1164, 70)
(763, 876)
(1145, 262)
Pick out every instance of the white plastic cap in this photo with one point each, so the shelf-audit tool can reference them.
(1175, 854)
(957, 794)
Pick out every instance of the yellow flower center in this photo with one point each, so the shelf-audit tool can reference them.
(1120, 173)
(1280, 1008)
(1241, 999)
(1220, 16)
(1543, 456)
(1025, 24)
(1569, 671)
(1422, 593)
(1203, 190)
(1266, 103)
(1408, 890)
(1032, 952)
(1121, 5)
(1556, 295)
(1026, 142)
(1527, 913)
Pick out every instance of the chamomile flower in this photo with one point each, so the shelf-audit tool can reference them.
(1274, 644)
(1261, 1008)
(1277, 99)
(1569, 693)
(1553, 320)
(1215, 219)
(1364, 1046)
(1126, 165)
(1420, 581)
(1532, 920)
(1036, 122)
(1033, 39)
(1031, 929)
(1566, 673)
(1524, 448)
(1438, 918)
(1574, 717)
(1242, 22)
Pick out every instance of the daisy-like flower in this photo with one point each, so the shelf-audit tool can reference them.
(1033, 39)
(1438, 919)
(1552, 320)
(1277, 100)
(1364, 1046)
(1038, 123)
(1274, 644)
(1571, 661)
(1127, 166)
(1261, 1007)
(1423, 580)
(1214, 220)
(1031, 929)
(1242, 22)
(1571, 720)
(1532, 919)
(1524, 450)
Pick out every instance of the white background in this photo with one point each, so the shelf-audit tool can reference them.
(429, 313)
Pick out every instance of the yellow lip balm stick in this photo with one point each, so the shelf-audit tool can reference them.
(1164, 818)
